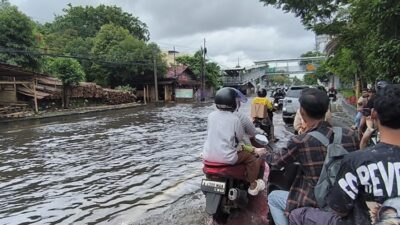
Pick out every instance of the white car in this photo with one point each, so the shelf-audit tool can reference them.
(291, 103)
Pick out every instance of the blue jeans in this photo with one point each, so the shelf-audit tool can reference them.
(277, 205)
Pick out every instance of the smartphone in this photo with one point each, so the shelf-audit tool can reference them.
(366, 112)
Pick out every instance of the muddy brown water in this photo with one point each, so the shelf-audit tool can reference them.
(131, 166)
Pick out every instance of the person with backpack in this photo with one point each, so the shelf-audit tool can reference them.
(310, 153)
(367, 185)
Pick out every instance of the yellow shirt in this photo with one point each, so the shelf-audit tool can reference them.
(263, 101)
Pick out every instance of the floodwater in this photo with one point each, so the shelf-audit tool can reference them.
(131, 166)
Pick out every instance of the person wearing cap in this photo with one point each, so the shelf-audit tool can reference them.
(225, 142)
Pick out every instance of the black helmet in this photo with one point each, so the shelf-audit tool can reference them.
(225, 98)
(262, 92)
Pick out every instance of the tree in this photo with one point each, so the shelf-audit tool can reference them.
(323, 72)
(16, 37)
(69, 71)
(122, 57)
(366, 32)
(311, 12)
(88, 20)
(297, 81)
(310, 79)
(280, 79)
(212, 69)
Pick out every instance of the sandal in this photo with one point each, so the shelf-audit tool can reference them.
(260, 186)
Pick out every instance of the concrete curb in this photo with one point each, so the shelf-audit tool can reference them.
(68, 112)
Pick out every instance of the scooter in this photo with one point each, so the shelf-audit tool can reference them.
(266, 128)
(278, 103)
(225, 186)
(333, 97)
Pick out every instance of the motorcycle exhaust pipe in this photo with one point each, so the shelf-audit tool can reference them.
(238, 196)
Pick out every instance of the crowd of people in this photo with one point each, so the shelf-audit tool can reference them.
(366, 187)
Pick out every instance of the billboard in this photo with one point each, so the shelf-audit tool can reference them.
(183, 93)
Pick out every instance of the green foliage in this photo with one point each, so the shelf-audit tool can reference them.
(366, 34)
(297, 81)
(16, 36)
(280, 79)
(343, 65)
(310, 79)
(69, 71)
(323, 72)
(88, 20)
(309, 54)
(212, 73)
(310, 11)
(132, 57)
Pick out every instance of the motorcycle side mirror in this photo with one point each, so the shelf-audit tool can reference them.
(261, 139)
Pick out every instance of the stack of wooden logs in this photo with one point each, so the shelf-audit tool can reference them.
(113, 97)
(87, 90)
(14, 110)
(109, 96)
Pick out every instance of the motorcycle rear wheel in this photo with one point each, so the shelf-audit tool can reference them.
(220, 217)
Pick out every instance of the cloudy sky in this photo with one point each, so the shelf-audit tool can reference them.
(233, 29)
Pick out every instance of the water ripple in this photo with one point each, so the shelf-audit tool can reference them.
(100, 169)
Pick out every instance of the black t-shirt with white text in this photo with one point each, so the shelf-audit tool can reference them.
(372, 174)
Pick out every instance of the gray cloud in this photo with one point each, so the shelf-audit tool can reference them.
(233, 29)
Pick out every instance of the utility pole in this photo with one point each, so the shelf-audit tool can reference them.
(174, 63)
(155, 76)
(203, 70)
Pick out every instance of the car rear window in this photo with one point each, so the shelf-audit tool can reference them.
(294, 92)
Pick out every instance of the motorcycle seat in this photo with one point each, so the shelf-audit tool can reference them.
(225, 170)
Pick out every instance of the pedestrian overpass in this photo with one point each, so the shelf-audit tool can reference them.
(259, 73)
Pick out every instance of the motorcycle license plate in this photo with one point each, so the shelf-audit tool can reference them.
(213, 186)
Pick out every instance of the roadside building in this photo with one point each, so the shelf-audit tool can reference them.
(24, 92)
(178, 84)
(20, 89)
(186, 83)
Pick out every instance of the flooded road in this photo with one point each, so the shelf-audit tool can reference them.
(107, 168)
(131, 166)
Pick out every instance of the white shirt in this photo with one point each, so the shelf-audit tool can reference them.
(224, 132)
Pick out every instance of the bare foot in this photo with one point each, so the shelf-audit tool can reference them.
(253, 185)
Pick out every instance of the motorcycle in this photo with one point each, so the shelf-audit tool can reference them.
(278, 103)
(225, 186)
(264, 125)
(332, 97)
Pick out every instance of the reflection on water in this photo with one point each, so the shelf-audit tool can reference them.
(109, 167)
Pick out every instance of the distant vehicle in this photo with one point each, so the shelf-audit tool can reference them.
(291, 103)
(278, 94)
